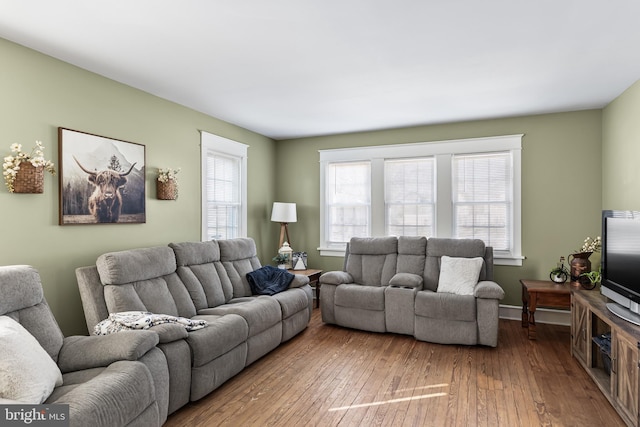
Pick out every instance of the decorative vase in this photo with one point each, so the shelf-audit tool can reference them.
(29, 179)
(167, 190)
(580, 264)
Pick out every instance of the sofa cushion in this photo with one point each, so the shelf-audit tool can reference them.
(437, 247)
(27, 373)
(260, 312)
(445, 306)
(21, 288)
(203, 274)
(190, 253)
(109, 396)
(116, 268)
(412, 251)
(144, 279)
(362, 297)
(292, 301)
(239, 257)
(222, 334)
(148, 295)
(459, 275)
(372, 261)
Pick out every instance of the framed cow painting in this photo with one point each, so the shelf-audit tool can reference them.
(102, 180)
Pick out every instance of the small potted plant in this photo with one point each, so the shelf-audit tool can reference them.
(559, 274)
(281, 261)
(594, 279)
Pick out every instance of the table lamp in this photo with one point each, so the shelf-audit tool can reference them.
(284, 213)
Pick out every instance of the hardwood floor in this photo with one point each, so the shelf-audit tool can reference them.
(333, 376)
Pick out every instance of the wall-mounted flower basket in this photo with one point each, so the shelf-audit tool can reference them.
(29, 179)
(167, 184)
(167, 190)
(24, 172)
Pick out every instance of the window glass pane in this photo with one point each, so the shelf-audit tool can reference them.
(482, 189)
(409, 197)
(223, 196)
(348, 195)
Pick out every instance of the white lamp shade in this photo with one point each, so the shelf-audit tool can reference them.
(284, 212)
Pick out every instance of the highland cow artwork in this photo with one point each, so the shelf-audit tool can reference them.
(101, 179)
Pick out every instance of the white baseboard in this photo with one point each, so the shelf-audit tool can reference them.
(543, 315)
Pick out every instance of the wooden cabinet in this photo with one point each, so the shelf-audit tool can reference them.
(579, 340)
(615, 371)
(624, 374)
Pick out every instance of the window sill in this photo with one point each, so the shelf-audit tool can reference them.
(514, 261)
(334, 252)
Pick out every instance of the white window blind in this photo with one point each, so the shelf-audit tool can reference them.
(348, 196)
(223, 197)
(223, 188)
(409, 197)
(482, 198)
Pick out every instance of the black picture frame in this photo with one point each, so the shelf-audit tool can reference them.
(101, 180)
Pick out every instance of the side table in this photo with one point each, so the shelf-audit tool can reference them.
(314, 280)
(543, 293)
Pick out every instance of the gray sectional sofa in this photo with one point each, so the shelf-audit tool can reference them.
(106, 381)
(391, 284)
(199, 281)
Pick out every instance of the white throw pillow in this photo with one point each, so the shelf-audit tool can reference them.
(27, 372)
(459, 275)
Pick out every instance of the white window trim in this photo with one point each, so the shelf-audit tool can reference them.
(442, 151)
(218, 144)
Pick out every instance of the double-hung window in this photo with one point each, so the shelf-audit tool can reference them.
(461, 189)
(409, 197)
(348, 201)
(224, 188)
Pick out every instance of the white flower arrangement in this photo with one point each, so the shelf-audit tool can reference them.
(591, 245)
(168, 174)
(11, 164)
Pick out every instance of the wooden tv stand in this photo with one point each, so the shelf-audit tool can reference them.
(617, 378)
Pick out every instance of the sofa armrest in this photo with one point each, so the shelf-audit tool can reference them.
(406, 280)
(299, 281)
(336, 278)
(489, 290)
(169, 332)
(82, 352)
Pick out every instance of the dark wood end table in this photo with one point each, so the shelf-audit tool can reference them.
(314, 280)
(542, 293)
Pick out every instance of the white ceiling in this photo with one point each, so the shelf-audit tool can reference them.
(295, 68)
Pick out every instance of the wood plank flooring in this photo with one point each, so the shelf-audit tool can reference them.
(333, 376)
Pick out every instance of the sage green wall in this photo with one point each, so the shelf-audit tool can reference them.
(39, 94)
(621, 151)
(561, 184)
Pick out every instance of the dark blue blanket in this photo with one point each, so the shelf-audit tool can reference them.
(269, 280)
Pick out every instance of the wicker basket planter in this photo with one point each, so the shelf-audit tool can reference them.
(167, 190)
(29, 179)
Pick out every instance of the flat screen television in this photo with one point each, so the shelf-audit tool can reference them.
(621, 263)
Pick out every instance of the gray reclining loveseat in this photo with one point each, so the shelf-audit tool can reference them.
(394, 284)
(199, 281)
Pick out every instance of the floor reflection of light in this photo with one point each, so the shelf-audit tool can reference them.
(418, 388)
(386, 402)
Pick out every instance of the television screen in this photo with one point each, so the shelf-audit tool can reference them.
(621, 253)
